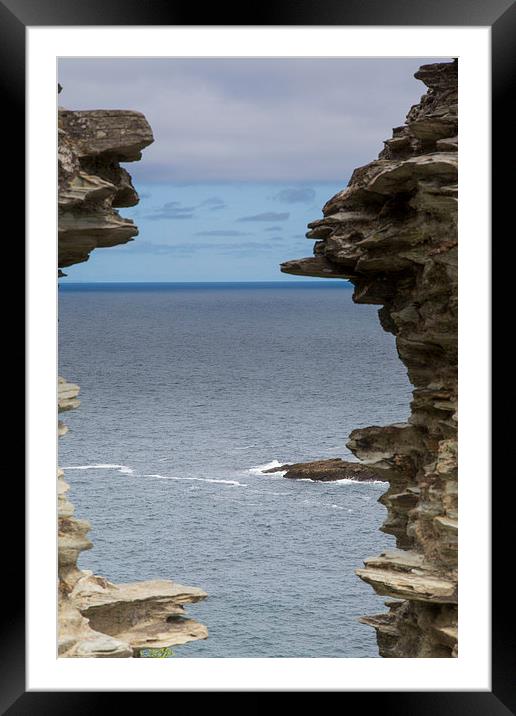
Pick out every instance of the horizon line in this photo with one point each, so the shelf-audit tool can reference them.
(315, 280)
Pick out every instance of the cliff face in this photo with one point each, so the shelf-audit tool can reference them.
(393, 233)
(98, 618)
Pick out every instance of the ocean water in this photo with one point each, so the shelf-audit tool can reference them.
(187, 391)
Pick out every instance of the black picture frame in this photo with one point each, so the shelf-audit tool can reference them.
(500, 16)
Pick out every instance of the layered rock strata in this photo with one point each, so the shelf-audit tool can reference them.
(327, 471)
(393, 233)
(92, 184)
(98, 618)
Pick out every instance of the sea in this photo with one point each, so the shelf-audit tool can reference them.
(188, 393)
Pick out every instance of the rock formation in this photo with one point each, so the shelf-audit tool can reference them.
(327, 471)
(393, 233)
(98, 618)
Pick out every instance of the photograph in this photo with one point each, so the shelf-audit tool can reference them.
(245, 418)
(258, 326)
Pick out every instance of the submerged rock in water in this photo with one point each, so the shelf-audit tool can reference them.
(328, 471)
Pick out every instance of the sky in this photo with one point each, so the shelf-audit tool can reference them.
(246, 153)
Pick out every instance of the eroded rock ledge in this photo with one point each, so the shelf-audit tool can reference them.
(98, 618)
(328, 470)
(393, 233)
(92, 184)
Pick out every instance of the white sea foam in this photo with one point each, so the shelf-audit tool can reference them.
(347, 481)
(124, 469)
(260, 469)
(199, 479)
(269, 492)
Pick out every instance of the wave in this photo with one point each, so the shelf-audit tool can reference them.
(199, 479)
(124, 469)
(269, 492)
(344, 481)
(347, 481)
(260, 469)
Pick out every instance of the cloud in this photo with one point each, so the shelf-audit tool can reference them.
(174, 210)
(222, 232)
(213, 203)
(247, 249)
(290, 120)
(267, 216)
(167, 215)
(171, 210)
(149, 247)
(189, 248)
(299, 195)
(274, 228)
